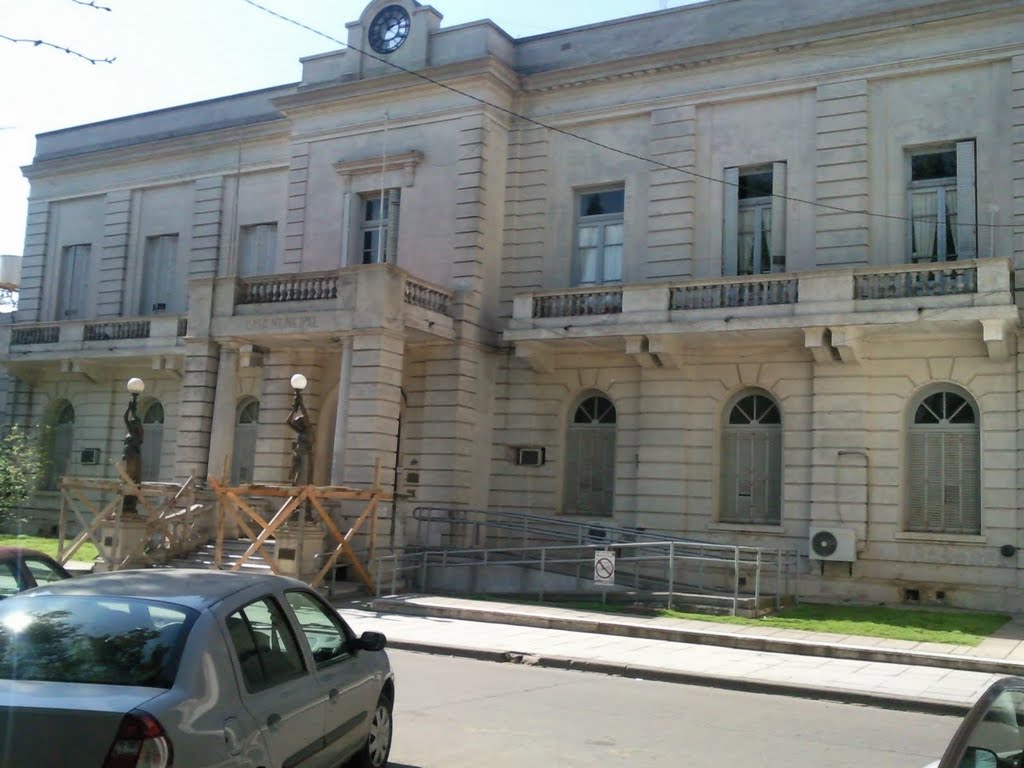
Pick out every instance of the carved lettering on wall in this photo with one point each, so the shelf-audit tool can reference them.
(281, 323)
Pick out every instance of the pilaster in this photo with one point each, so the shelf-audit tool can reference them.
(671, 193)
(841, 178)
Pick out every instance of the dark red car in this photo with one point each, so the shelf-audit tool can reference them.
(22, 569)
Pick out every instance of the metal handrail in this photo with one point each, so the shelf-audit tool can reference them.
(674, 554)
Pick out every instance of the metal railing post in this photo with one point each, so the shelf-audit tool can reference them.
(735, 578)
(423, 572)
(543, 559)
(394, 575)
(700, 571)
(757, 583)
(671, 572)
(579, 561)
(778, 579)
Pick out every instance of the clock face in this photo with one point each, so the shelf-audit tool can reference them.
(389, 29)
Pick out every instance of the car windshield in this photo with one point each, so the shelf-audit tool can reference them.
(92, 639)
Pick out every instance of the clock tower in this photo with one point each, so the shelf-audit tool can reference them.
(393, 32)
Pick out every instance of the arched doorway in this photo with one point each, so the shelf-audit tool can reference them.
(590, 458)
(243, 457)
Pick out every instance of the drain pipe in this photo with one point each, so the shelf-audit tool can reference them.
(867, 489)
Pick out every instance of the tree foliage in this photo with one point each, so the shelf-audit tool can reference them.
(21, 469)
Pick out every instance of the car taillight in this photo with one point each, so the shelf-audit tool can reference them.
(140, 743)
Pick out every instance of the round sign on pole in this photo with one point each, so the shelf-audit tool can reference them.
(604, 567)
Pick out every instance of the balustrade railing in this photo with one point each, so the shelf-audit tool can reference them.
(579, 304)
(926, 280)
(273, 289)
(422, 295)
(737, 293)
(40, 334)
(116, 331)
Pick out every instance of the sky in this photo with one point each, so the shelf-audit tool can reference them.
(170, 52)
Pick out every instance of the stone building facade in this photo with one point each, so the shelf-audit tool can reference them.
(740, 271)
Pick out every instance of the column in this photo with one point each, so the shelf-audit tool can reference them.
(196, 414)
(222, 436)
(114, 253)
(341, 415)
(30, 295)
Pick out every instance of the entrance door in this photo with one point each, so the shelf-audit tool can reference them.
(152, 441)
(243, 457)
(590, 459)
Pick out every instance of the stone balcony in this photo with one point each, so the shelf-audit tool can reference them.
(77, 344)
(829, 309)
(319, 305)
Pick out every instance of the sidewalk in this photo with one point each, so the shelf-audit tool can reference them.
(928, 677)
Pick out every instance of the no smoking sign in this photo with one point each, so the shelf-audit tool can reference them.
(604, 567)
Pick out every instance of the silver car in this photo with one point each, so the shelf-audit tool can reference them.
(194, 669)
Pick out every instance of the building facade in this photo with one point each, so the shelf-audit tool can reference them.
(741, 271)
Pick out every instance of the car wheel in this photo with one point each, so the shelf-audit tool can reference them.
(377, 748)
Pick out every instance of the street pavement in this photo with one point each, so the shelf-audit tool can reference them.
(920, 677)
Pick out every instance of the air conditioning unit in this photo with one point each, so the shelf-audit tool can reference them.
(838, 544)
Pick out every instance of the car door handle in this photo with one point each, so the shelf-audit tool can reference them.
(273, 719)
(333, 694)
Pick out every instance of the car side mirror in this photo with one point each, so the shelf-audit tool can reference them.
(992, 733)
(979, 757)
(375, 641)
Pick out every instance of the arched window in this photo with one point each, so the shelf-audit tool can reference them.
(590, 458)
(152, 440)
(62, 435)
(944, 465)
(243, 457)
(752, 461)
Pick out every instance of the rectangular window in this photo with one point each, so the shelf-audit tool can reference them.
(267, 649)
(378, 235)
(754, 217)
(599, 237)
(257, 250)
(941, 204)
(159, 279)
(73, 281)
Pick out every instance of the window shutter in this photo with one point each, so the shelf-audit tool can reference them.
(152, 451)
(967, 203)
(573, 445)
(394, 208)
(970, 486)
(934, 476)
(778, 217)
(729, 449)
(917, 519)
(730, 211)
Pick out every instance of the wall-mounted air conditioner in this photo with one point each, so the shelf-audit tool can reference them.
(838, 544)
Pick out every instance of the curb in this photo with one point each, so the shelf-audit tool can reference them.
(657, 674)
(700, 637)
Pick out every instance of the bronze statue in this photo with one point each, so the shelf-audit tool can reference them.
(302, 447)
(132, 455)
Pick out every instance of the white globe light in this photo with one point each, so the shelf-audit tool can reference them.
(299, 381)
(136, 386)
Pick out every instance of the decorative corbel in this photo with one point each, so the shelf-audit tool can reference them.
(638, 347)
(667, 351)
(847, 342)
(817, 341)
(80, 368)
(998, 334)
(537, 355)
(172, 365)
(250, 356)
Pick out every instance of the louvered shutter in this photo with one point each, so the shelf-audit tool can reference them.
(572, 472)
(960, 475)
(966, 200)
(394, 209)
(778, 217)
(970, 493)
(744, 476)
(917, 519)
(729, 449)
(730, 211)
(604, 478)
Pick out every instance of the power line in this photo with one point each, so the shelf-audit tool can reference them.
(602, 145)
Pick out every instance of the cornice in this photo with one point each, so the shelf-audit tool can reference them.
(707, 55)
(146, 151)
(311, 97)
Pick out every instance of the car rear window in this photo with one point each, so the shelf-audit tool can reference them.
(90, 639)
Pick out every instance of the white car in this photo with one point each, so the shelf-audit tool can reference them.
(188, 668)
(992, 733)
